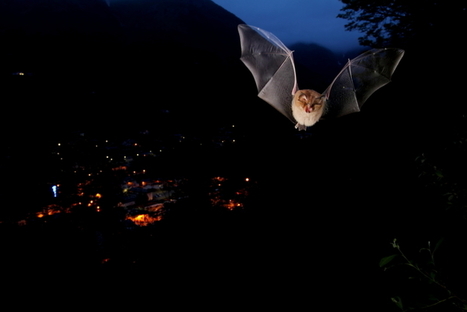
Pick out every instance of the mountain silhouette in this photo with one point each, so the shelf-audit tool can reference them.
(87, 54)
(54, 30)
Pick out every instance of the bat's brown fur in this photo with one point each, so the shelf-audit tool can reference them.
(308, 107)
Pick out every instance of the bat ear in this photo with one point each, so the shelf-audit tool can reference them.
(302, 98)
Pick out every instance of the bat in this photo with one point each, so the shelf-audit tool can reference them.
(273, 69)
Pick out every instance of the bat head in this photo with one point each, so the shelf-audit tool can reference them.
(309, 100)
(308, 106)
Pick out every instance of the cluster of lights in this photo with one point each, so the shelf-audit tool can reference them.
(144, 219)
(217, 200)
(147, 217)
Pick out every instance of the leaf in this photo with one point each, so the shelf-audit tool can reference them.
(424, 248)
(397, 300)
(384, 261)
(438, 244)
(433, 298)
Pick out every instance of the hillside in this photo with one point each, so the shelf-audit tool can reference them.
(90, 56)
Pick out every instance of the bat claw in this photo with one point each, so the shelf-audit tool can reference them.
(300, 127)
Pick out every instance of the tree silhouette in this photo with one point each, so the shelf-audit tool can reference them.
(398, 21)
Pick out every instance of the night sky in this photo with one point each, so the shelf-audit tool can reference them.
(297, 20)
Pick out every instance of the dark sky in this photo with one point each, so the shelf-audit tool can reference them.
(297, 20)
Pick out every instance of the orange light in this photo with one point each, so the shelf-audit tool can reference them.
(143, 219)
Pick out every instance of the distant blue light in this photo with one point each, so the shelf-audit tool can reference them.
(54, 190)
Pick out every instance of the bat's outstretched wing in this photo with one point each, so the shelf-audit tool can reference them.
(272, 66)
(359, 78)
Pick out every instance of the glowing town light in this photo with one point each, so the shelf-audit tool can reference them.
(247, 179)
(55, 190)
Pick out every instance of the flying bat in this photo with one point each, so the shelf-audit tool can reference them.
(273, 69)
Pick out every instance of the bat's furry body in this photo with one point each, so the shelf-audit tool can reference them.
(273, 69)
(307, 107)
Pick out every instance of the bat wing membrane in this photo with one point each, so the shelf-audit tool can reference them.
(272, 66)
(359, 79)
